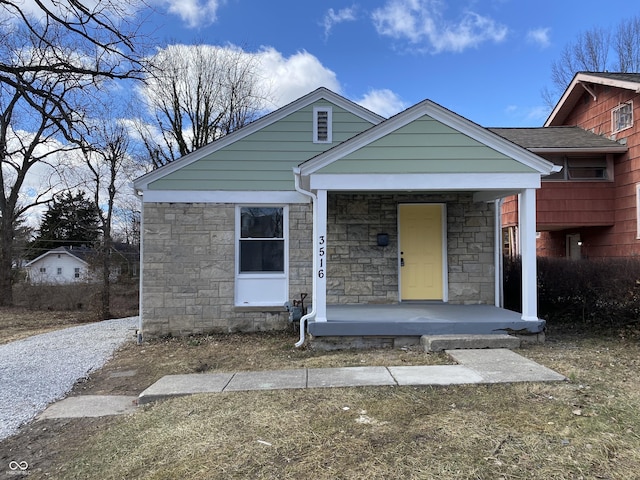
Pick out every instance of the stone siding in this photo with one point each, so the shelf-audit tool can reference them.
(359, 271)
(189, 267)
(189, 270)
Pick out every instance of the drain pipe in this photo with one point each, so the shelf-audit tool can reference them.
(314, 198)
(498, 262)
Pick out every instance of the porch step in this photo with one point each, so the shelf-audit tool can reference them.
(438, 343)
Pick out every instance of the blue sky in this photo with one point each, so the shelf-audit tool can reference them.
(486, 60)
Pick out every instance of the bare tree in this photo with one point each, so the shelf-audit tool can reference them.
(195, 95)
(627, 45)
(592, 51)
(106, 154)
(30, 136)
(53, 57)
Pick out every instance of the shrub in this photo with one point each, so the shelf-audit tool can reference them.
(77, 296)
(603, 292)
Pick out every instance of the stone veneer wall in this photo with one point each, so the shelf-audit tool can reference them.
(188, 270)
(188, 258)
(359, 271)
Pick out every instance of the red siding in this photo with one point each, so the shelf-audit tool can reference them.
(603, 213)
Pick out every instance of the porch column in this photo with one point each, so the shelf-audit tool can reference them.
(528, 254)
(320, 299)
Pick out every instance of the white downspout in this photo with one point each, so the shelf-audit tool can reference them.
(139, 333)
(314, 199)
(499, 299)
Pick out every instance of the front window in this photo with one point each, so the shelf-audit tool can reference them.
(622, 117)
(261, 239)
(261, 255)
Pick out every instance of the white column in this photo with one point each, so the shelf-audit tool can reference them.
(528, 254)
(321, 259)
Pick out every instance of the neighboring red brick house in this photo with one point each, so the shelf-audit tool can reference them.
(592, 208)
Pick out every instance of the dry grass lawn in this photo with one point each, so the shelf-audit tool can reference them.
(586, 428)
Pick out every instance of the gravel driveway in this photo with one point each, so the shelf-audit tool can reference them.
(41, 369)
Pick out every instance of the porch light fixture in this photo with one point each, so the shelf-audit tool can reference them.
(383, 239)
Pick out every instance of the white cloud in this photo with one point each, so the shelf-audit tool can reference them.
(194, 13)
(333, 18)
(527, 115)
(423, 22)
(290, 78)
(539, 36)
(383, 102)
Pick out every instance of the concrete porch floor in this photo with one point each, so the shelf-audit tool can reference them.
(417, 319)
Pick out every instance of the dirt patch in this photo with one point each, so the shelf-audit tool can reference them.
(19, 323)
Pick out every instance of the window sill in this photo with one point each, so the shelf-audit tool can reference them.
(256, 308)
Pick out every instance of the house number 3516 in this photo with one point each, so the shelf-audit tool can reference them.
(321, 254)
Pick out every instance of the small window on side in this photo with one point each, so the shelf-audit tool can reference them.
(322, 128)
(622, 117)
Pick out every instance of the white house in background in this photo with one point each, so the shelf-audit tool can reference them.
(60, 265)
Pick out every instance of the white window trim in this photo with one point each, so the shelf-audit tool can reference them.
(614, 125)
(279, 280)
(329, 111)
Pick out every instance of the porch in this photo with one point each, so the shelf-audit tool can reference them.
(410, 319)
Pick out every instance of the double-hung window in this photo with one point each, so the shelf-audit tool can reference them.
(261, 255)
(622, 117)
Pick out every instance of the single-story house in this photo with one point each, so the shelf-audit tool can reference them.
(391, 226)
(60, 266)
(67, 264)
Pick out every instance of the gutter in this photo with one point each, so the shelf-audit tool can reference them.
(314, 201)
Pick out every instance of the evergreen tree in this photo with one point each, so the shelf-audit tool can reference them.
(71, 220)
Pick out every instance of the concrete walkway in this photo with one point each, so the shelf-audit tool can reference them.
(483, 366)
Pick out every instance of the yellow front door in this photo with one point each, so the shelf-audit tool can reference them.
(420, 252)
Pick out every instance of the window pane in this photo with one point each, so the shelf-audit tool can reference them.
(261, 222)
(261, 256)
(587, 168)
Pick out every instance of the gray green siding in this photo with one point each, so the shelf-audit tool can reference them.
(426, 146)
(263, 160)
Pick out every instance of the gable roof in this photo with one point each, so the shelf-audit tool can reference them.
(321, 93)
(563, 139)
(581, 82)
(430, 109)
(79, 253)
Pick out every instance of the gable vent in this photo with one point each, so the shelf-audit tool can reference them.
(322, 125)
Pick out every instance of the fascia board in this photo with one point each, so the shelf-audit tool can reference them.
(587, 78)
(551, 150)
(142, 182)
(223, 196)
(425, 182)
(565, 96)
(441, 114)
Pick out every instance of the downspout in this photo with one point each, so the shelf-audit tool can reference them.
(139, 333)
(499, 293)
(314, 198)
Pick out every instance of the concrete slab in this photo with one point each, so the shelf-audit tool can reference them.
(90, 406)
(270, 380)
(434, 375)
(502, 365)
(438, 343)
(349, 377)
(174, 385)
